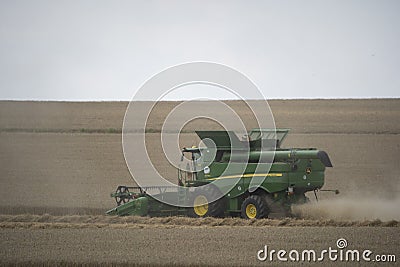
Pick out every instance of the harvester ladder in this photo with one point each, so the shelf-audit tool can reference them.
(182, 194)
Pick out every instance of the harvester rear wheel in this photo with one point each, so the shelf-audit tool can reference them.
(277, 210)
(254, 207)
(201, 205)
(302, 199)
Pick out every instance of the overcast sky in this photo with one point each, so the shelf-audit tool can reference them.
(105, 50)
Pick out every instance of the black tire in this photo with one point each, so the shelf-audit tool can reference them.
(302, 199)
(214, 209)
(276, 209)
(254, 207)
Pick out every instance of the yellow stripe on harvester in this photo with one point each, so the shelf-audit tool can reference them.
(248, 176)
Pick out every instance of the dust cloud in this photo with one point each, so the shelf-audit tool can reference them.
(353, 209)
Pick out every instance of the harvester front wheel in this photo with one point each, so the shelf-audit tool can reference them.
(254, 207)
(201, 203)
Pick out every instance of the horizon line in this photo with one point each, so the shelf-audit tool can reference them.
(180, 100)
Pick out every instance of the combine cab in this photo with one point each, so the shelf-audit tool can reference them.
(283, 176)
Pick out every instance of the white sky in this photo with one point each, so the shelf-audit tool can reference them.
(105, 50)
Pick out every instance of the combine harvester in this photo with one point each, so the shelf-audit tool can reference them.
(291, 172)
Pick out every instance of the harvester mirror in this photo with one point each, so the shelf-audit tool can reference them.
(206, 170)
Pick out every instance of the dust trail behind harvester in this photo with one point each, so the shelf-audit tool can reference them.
(353, 209)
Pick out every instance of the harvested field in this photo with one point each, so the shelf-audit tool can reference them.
(194, 246)
(60, 161)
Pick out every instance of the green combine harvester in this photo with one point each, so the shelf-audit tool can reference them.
(283, 176)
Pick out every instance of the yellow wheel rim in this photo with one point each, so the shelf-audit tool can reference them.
(251, 211)
(200, 205)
